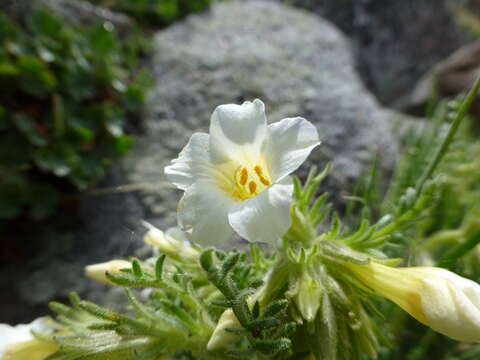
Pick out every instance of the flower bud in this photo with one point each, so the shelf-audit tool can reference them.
(172, 243)
(307, 295)
(448, 303)
(221, 337)
(97, 271)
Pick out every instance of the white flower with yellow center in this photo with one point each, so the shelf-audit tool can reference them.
(448, 303)
(236, 177)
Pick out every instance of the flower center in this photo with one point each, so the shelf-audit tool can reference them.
(246, 181)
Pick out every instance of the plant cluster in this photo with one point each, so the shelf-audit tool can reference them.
(69, 95)
(318, 295)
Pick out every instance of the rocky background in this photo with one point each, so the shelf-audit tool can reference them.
(340, 64)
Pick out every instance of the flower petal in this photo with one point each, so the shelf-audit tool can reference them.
(233, 126)
(192, 162)
(202, 212)
(12, 335)
(266, 217)
(290, 142)
(451, 308)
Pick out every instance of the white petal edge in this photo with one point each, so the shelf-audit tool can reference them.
(202, 213)
(237, 126)
(192, 163)
(266, 217)
(290, 142)
(452, 306)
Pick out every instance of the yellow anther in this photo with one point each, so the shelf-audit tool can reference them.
(243, 176)
(246, 181)
(264, 181)
(252, 186)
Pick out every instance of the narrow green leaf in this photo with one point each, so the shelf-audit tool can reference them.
(137, 269)
(159, 266)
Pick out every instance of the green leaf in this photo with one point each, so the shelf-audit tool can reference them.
(102, 41)
(159, 266)
(36, 79)
(8, 69)
(123, 144)
(54, 160)
(137, 269)
(44, 23)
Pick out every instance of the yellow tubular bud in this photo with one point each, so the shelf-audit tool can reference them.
(97, 271)
(434, 296)
(30, 350)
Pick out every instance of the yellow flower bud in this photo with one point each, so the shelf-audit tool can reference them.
(448, 303)
(97, 271)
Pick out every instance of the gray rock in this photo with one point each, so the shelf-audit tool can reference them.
(395, 42)
(297, 63)
(107, 227)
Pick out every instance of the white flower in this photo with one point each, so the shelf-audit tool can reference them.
(14, 338)
(448, 303)
(236, 177)
(97, 271)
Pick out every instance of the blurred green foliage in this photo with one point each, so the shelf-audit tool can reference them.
(156, 12)
(67, 95)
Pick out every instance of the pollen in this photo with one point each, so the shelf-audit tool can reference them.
(252, 186)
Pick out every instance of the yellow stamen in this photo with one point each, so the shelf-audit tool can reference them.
(243, 176)
(252, 186)
(243, 181)
(262, 178)
(264, 181)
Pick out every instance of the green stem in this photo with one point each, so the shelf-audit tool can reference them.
(449, 138)
(408, 216)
